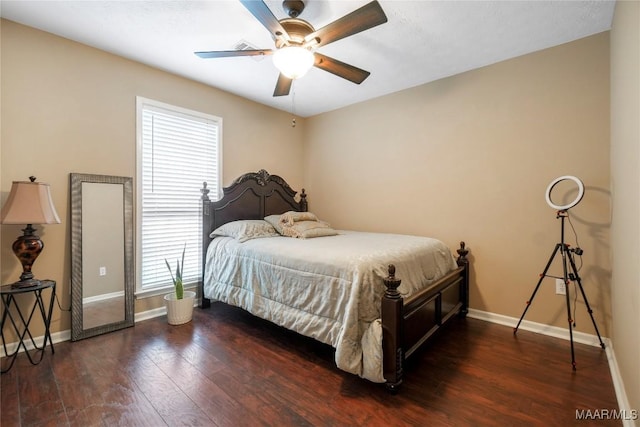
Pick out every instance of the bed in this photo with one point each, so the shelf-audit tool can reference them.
(340, 289)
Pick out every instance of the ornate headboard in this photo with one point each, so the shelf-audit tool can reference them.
(253, 195)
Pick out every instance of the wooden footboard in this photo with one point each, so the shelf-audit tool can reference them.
(408, 323)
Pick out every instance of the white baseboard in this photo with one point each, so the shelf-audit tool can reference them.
(103, 297)
(56, 337)
(150, 314)
(157, 312)
(579, 337)
(552, 331)
(65, 335)
(539, 328)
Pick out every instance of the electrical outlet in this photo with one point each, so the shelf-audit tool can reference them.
(103, 271)
(561, 288)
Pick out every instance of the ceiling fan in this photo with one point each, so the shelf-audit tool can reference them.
(296, 41)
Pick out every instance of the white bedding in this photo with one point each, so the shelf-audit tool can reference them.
(327, 288)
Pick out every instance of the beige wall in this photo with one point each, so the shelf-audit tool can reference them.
(469, 158)
(625, 185)
(70, 108)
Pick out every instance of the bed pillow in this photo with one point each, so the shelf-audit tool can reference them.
(308, 229)
(291, 217)
(244, 230)
(274, 220)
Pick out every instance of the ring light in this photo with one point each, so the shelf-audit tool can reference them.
(568, 205)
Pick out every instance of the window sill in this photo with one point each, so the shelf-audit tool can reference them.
(149, 293)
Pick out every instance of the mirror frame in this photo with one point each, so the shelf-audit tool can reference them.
(77, 329)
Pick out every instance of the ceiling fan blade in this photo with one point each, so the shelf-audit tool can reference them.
(283, 86)
(368, 16)
(232, 53)
(340, 69)
(262, 13)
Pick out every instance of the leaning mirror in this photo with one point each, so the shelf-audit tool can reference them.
(101, 254)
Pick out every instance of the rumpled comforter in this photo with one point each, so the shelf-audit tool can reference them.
(327, 288)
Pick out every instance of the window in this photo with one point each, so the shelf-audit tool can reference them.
(178, 150)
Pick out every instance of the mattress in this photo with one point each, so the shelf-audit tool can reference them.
(327, 288)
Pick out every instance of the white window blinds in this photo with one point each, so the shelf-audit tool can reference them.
(178, 150)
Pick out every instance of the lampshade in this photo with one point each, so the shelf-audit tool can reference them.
(293, 61)
(29, 203)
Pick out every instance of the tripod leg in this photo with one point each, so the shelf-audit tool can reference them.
(564, 250)
(542, 276)
(584, 297)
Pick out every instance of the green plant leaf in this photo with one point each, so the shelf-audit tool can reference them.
(183, 251)
(177, 279)
(179, 290)
(169, 267)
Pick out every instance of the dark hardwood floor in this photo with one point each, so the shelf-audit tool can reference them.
(226, 368)
(103, 312)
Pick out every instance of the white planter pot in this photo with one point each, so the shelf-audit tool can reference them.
(179, 311)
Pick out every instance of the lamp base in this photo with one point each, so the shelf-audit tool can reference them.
(27, 248)
(28, 283)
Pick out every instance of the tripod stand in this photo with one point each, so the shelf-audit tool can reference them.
(567, 260)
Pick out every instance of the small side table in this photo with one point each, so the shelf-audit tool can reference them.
(21, 322)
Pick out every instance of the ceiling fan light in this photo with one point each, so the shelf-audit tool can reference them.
(293, 61)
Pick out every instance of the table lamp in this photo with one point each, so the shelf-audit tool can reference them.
(28, 203)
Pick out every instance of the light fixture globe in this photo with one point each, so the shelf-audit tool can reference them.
(293, 61)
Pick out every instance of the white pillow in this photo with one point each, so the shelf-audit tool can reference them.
(308, 230)
(244, 230)
(274, 220)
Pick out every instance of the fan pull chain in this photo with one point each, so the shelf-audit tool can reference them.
(293, 107)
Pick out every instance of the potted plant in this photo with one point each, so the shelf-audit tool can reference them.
(180, 302)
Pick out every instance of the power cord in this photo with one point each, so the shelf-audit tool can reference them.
(60, 306)
(578, 251)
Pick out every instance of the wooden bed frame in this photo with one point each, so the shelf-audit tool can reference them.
(407, 323)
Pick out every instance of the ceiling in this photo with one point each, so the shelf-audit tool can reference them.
(422, 41)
